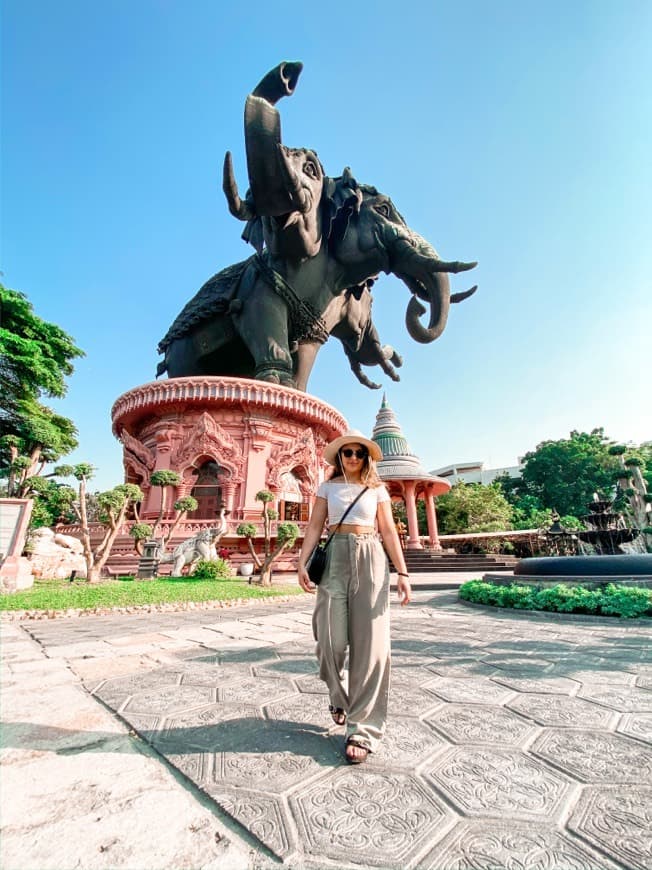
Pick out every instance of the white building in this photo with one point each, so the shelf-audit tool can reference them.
(475, 472)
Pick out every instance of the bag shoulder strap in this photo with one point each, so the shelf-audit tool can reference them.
(344, 515)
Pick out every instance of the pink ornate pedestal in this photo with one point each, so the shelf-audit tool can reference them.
(241, 435)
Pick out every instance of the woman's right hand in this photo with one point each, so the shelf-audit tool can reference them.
(305, 582)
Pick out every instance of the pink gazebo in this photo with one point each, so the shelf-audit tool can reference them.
(405, 477)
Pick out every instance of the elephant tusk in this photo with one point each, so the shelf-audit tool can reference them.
(299, 197)
(455, 266)
(460, 297)
(242, 210)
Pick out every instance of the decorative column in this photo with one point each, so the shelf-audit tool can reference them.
(431, 516)
(414, 542)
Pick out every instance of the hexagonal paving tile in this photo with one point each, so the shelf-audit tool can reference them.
(618, 821)
(625, 699)
(602, 676)
(197, 766)
(504, 782)
(476, 723)
(249, 656)
(562, 710)
(288, 666)
(368, 818)
(499, 844)
(270, 758)
(263, 815)
(461, 669)
(311, 685)
(255, 690)
(170, 699)
(114, 691)
(302, 709)
(519, 664)
(203, 729)
(595, 756)
(638, 725)
(406, 745)
(541, 686)
(207, 674)
(411, 699)
(471, 691)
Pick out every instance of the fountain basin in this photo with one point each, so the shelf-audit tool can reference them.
(627, 569)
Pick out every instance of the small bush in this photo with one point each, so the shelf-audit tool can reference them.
(623, 601)
(626, 601)
(216, 569)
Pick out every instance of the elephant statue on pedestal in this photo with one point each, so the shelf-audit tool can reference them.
(319, 243)
(203, 545)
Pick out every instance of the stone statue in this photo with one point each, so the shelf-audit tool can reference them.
(200, 546)
(316, 238)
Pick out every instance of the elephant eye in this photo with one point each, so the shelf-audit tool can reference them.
(310, 169)
(383, 209)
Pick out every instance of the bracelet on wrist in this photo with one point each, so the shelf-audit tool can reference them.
(401, 574)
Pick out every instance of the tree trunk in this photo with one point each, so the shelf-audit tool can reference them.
(265, 575)
(95, 574)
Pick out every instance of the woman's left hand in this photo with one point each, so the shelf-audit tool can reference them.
(404, 590)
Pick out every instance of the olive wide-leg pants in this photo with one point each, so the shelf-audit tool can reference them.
(352, 612)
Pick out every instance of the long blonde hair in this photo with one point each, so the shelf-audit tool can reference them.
(369, 474)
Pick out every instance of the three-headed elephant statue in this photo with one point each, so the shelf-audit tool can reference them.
(319, 242)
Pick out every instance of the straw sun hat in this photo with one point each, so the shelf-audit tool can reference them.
(352, 436)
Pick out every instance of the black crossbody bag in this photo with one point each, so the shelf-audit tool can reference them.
(317, 561)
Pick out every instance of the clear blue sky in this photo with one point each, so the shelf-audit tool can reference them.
(512, 132)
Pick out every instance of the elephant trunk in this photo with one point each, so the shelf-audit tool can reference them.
(268, 177)
(438, 290)
(417, 263)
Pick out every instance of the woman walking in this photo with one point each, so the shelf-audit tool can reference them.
(352, 609)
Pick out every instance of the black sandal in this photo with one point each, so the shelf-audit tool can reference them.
(356, 759)
(338, 714)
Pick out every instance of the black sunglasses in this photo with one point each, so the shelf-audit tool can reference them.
(348, 452)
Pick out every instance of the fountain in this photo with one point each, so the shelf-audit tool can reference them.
(600, 559)
(607, 529)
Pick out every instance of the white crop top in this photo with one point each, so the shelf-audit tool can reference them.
(339, 496)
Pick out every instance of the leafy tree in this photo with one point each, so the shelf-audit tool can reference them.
(113, 506)
(35, 358)
(286, 536)
(473, 507)
(563, 475)
(52, 502)
(166, 480)
(140, 532)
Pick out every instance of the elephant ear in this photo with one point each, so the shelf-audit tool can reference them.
(253, 233)
(343, 199)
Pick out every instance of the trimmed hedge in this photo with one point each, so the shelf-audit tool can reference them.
(613, 600)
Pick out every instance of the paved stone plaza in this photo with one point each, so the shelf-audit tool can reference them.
(514, 741)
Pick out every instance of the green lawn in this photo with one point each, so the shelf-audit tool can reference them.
(126, 592)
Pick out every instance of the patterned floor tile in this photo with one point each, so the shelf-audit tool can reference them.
(500, 782)
(561, 710)
(500, 845)
(617, 820)
(369, 819)
(475, 723)
(595, 756)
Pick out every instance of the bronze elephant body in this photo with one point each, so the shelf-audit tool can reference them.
(320, 243)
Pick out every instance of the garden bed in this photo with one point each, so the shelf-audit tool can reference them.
(610, 600)
(49, 598)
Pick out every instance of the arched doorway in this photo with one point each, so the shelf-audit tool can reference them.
(207, 490)
(291, 506)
